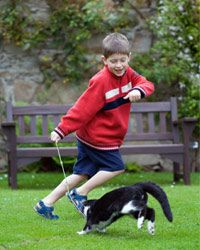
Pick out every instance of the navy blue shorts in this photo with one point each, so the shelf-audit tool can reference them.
(91, 160)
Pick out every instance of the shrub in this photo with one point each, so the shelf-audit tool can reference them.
(173, 61)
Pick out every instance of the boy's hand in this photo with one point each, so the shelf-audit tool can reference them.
(55, 136)
(133, 95)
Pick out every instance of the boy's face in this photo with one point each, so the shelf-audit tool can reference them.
(117, 63)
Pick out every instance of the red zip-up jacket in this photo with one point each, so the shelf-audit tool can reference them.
(100, 116)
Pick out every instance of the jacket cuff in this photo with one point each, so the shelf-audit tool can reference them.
(142, 92)
(59, 132)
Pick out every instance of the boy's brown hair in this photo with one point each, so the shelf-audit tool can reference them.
(115, 43)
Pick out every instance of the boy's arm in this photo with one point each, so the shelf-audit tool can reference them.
(89, 103)
(141, 84)
(133, 95)
(141, 87)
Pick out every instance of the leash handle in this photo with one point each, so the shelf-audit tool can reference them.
(61, 163)
(60, 159)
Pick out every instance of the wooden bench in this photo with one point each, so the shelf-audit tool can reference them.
(153, 129)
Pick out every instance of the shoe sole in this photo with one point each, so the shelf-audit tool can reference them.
(75, 206)
(35, 209)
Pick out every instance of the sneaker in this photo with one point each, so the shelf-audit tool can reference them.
(77, 200)
(46, 212)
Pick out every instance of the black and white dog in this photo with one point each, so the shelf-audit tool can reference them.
(130, 200)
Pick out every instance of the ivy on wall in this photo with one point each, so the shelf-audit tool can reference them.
(70, 25)
(68, 28)
(172, 63)
(174, 59)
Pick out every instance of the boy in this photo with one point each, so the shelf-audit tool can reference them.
(100, 118)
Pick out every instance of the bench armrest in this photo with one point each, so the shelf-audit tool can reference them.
(8, 129)
(188, 125)
(189, 119)
(7, 124)
(185, 120)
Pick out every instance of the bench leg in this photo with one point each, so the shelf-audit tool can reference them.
(188, 126)
(12, 170)
(186, 168)
(176, 171)
(12, 157)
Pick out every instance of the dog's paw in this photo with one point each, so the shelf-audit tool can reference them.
(81, 232)
(140, 222)
(151, 227)
(103, 230)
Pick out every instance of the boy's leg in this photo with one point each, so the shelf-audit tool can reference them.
(44, 207)
(98, 179)
(78, 195)
(70, 182)
(101, 165)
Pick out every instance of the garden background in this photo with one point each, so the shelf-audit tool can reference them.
(49, 50)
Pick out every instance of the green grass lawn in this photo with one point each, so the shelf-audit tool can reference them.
(22, 228)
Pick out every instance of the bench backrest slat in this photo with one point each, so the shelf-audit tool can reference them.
(44, 125)
(9, 112)
(21, 125)
(42, 139)
(33, 125)
(174, 115)
(151, 107)
(148, 137)
(151, 122)
(163, 127)
(139, 122)
(41, 110)
(148, 121)
(56, 120)
(174, 112)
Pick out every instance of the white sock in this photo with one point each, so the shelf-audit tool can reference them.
(47, 204)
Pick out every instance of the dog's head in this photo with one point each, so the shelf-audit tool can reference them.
(87, 206)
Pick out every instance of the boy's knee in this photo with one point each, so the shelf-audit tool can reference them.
(120, 171)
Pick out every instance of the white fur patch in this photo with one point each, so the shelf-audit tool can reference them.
(85, 210)
(84, 231)
(140, 222)
(103, 224)
(101, 230)
(81, 232)
(128, 208)
(151, 227)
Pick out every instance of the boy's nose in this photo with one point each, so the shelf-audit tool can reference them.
(118, 64)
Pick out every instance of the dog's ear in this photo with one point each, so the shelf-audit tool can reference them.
(89, 203)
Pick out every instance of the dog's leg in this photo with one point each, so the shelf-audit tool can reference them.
(150, 216)
(141, 218)
(85, 230)
(101, 230)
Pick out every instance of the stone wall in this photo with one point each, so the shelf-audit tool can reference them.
(20, 70)
(21, 79)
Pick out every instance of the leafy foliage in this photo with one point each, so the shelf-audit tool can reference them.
(61, 39)
(173, 61)
(65, 33)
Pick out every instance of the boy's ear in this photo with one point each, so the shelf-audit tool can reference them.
(104, 60)
(130, 55)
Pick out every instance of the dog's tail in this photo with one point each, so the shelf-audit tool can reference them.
(158, 193)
